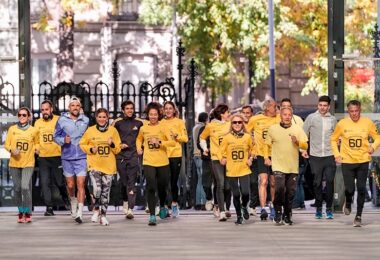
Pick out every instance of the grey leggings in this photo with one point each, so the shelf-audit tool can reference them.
(101, 187)
(223, 190)
(22, 181)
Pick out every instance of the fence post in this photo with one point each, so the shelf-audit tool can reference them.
(180, 53)
(115, 76)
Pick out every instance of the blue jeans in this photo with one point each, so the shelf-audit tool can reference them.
(299, 198)
(200, 196)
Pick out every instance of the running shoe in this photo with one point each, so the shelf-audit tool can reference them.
(130, 214)
(216, 211)
(278, 219)
(104, 221)
(228, 214)
(357, 221)
(21, 218)
(222, 216)
(318, 213)
(125, 207)
(49, 212)
(152, 220)
(175, 210)
(263, 214)
(28, 217)
(329, 214)
(288, 220)
(147, 210)
(209, 205)
(252, 212)
(272, 211)
(95, 216)
(74, 207)
(157, 210)
(163, 212)
(239, 221)
(347, 209)
(245, 212)
(79, 218)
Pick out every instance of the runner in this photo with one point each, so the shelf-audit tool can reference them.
(236, 150)
(50, 164)
(178, 132)
(128, 161)
(68, 131)
(354, 154)
(23, 143)
(217, 130)
(155, 139)
(258, 125)
(101, 143)
(285, 139)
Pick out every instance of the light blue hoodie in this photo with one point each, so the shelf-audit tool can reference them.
(75, 129)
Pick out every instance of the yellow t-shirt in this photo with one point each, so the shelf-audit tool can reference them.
(26, 141)
(237, 151)
(177, 127)
(104, 159)
(48, 148)
(154, 155)
(354, 139)
(216, 130)
(285, 154)
(259, 125)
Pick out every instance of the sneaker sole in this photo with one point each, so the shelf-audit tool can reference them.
(78, 220)
(223, 220)
(129, 217)
(152, 224)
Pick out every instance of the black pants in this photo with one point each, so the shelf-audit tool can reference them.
(51, 174)
(323, 167)
(207, 178)
(223, 190)
(175, 170)
(358, 171)
(254, 189)
(128, 170)
(240, 191)
(157, 180)
(285, 190)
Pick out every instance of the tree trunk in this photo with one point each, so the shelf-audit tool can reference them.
(65, 57)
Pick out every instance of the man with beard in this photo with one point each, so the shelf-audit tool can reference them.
(127, 161)
(49, 158)
(68, 132)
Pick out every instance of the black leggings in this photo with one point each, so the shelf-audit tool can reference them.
(240, 191)
(358, 171)
(175, 169)
(157, 179)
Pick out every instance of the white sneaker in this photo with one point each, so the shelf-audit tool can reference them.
(95, 216)
(222, 216)
(74, 207)
(125, 207)
(79, 218)
(252, 212)
(209, 205)
(216, 211)
(157, 210)
(104, 221)
(147, 210)
(129, 214)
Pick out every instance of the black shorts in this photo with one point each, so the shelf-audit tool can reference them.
(260, 167)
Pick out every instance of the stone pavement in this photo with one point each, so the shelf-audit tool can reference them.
(194, 235)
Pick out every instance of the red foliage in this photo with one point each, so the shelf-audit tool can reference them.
(358, 76)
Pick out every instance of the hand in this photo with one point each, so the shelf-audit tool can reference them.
(110, 141)
(174, 136)
(67, 139)
(294, 139)
(139, 151)
(304, 154)
(123, 146)
(15, 152)
(206, 152)
(371, 150)
(223, 161)
(249, 161)
(94, 150)
(268, 162)
(37, 151)
(338, 159)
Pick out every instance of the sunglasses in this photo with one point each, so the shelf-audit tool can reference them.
(237, 122)
(22, 115)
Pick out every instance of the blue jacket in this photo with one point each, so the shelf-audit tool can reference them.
(75, 129)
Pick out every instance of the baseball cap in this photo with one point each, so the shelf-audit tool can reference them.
(74, 99)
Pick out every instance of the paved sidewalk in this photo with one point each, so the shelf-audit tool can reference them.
(194, 235)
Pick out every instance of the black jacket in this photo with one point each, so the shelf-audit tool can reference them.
(128, 129)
